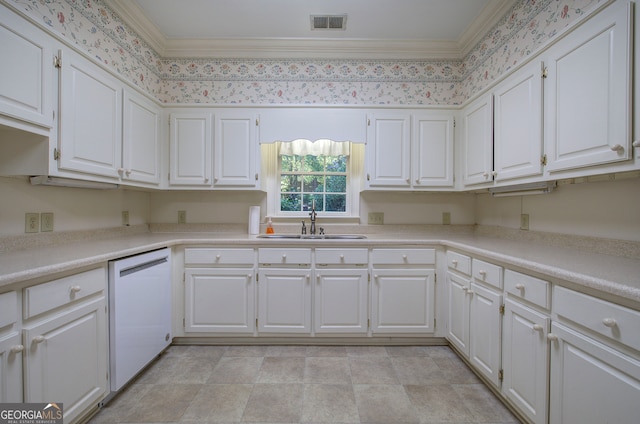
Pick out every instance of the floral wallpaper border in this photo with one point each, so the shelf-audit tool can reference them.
(94, 27)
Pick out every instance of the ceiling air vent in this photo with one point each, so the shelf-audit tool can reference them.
(329, 22)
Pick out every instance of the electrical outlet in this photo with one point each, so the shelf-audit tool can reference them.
(446, 218)
(182, 217)
(31, 222)
(375, 218)
(125, 218)
(524, 221)
(46, 222)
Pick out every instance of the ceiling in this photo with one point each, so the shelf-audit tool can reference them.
(410, 29)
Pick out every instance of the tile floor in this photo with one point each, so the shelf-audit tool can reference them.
(306, 384)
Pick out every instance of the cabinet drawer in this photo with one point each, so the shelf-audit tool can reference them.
(218, 256)
(341, 256)
(608, 319)
(47, 296)
(527, 288)
(487, 273)
(459, 262)
(8, 308)
(403, 256)
(284, 256)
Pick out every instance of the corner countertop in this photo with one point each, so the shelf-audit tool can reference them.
(613, 276)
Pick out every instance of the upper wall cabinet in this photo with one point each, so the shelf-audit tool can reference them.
(90, 118)
(236, 150)
(588, 95)
(141, 135)
(26, 89)
(477, 155)
(190, 149)
(518, 124)
(409, 150)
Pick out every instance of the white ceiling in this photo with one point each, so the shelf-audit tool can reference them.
(281, 28)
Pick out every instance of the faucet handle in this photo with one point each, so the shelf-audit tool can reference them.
(321, 231)
(304, 228)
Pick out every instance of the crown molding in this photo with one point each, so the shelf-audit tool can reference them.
(294, 48)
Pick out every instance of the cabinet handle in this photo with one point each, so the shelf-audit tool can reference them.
(75, 289)
(318, 278)
(468, 291)
(483, 274)
(617, 148)
(417, 181)
(308, 277)
(341, 258)
(249, 276)
(16, 349)
(38, 339)
(120, 170)
(552, 337)
(537, 327)
(128, 172)
(519, 286)
(485, 174)
(494, 173)
(609, 322)
(375, 276)
(454, 263)
(636, 143)
(404, 257)
(408, 180)
(218, 257)
(206, 180)
(284, 257)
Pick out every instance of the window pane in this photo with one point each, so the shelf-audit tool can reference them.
(291, 163)
(290, 202)
(313, 164)
(336, 203)
(336, 184)
(336, 163)
(313, 183)
(290, 183)
(308, 201)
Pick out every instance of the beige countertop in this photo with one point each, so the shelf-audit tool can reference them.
(611, 275)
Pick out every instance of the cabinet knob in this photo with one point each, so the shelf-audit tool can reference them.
(468, 291)
(128, 172)
(636, 143)
(206, 180)
(537, 327)
(375, 276)
(483, 274)
(408, 180)
(120, 170)
(75, 289)
(617, 148)
(494, 173)
(519, 286)
(38, 339)
(16, 349)
(341, 258)
(454, 263)
(552, 337)
(417, 181)
(308, 276)
(218, 257)
(485, 174)
(404, 256)
(249, 276)
(609, 322)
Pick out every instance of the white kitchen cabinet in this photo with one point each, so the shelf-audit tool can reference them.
(518, 127)
(284, 290)
(477, 139)
(26, 86)
(458, 311)
(141, 139)
(236, 150)
(90, 118)
(588, 92)
(219, 290)
(190, 149)
(525, 360)
(340, 304)
(388, 150)
(485, 332)
(590, 381)
(11, 349)
(432, 150)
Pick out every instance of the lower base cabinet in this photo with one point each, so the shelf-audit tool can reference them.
(340, 304)
(591, 382)
(484, 332)
(284, 300)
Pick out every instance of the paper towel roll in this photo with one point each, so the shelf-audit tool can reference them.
(254, 220)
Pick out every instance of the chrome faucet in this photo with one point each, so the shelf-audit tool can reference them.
(313, 215)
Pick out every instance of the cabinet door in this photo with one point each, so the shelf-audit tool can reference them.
(341, 301)
(403, 301)
(484, 332)
(66, 358)
(478, 141)
(388, 150)
(90, 118)
(591, 382)
(518, 124)
(458, 312)
(11, 351)
(432, 150)
(525, 360)
(284, 300)
(190, 144)
(219, 300)
(141, 139)
(588, 92)
(235, 150)
(27, 70)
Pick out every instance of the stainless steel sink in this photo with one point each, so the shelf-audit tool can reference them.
(314, 236)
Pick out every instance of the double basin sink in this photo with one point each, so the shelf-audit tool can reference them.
(314, 236)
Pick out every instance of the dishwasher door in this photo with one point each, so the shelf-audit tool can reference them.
(139, 312)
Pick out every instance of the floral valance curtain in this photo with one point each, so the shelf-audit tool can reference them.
(320, 147)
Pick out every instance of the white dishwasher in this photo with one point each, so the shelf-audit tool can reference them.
(139, 312)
